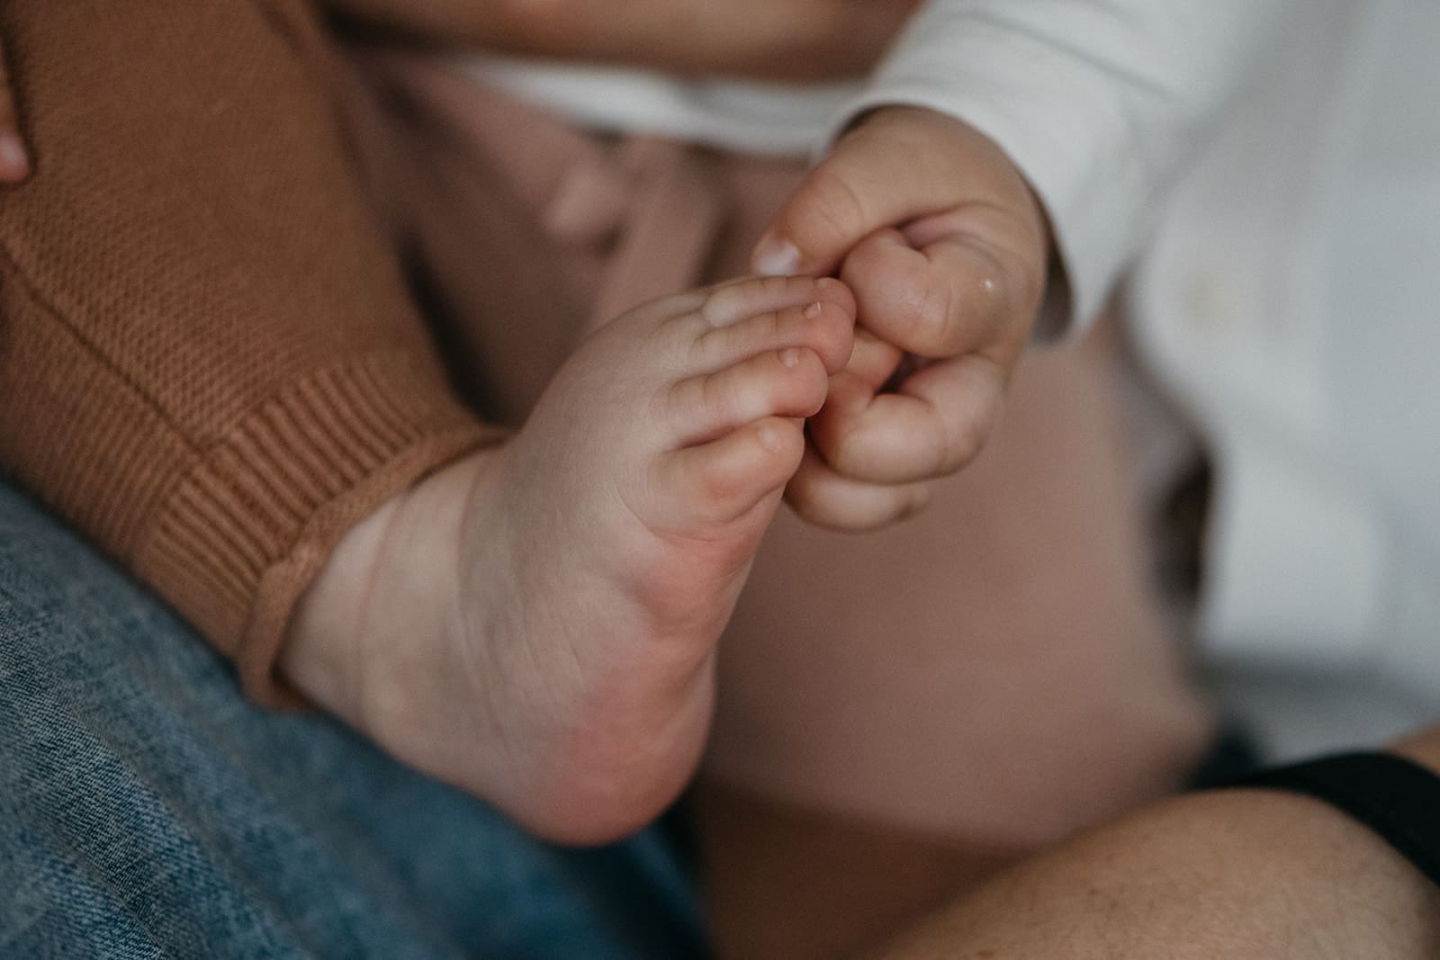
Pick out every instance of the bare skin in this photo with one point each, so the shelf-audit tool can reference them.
(1179, 877)
(537, 623)
(948, 260)
(1247, 874)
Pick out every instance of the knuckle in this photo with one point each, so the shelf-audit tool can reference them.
(934, 323)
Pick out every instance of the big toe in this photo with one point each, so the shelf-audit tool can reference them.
(704, 489)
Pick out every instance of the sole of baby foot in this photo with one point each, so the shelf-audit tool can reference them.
(540, 619)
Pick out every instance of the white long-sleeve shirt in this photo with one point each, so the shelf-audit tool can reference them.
(1289, 295)
(1291, 300)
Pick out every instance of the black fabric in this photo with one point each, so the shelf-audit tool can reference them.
(1394, 797)
(1233, 754)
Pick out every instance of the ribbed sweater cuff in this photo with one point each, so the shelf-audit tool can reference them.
(237, 541)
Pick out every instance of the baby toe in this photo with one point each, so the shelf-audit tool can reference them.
(824, 326)
(741, 299)
(716, 483)
(786, 383)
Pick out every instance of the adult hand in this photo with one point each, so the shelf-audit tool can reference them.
(762, 39)
(946, 249)
(1242, 874)
(14, 159)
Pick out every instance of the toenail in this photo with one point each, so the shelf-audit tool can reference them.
(813, 311)
(791, 358)
(769, 438)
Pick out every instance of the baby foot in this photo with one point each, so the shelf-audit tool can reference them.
(539, 621)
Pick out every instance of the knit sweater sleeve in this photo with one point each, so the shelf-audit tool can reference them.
(209, 363)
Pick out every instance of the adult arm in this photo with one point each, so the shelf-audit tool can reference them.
(1236, 873)
(209, 362)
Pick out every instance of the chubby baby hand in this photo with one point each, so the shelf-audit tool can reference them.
(946, 250)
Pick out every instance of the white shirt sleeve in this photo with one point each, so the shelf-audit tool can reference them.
(1099, 103)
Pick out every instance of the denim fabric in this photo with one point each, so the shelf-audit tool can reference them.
(146, 810)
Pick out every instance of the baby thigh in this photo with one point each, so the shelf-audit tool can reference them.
(991, 675)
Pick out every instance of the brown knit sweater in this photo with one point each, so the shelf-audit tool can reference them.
(209, 362)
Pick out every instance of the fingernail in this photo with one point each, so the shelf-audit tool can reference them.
(813, 311)
(790, 357)
(14, 161)
(775, 257)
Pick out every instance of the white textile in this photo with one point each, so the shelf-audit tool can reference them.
(1291, 300)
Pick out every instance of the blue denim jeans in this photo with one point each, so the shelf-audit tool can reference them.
(146, 810)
